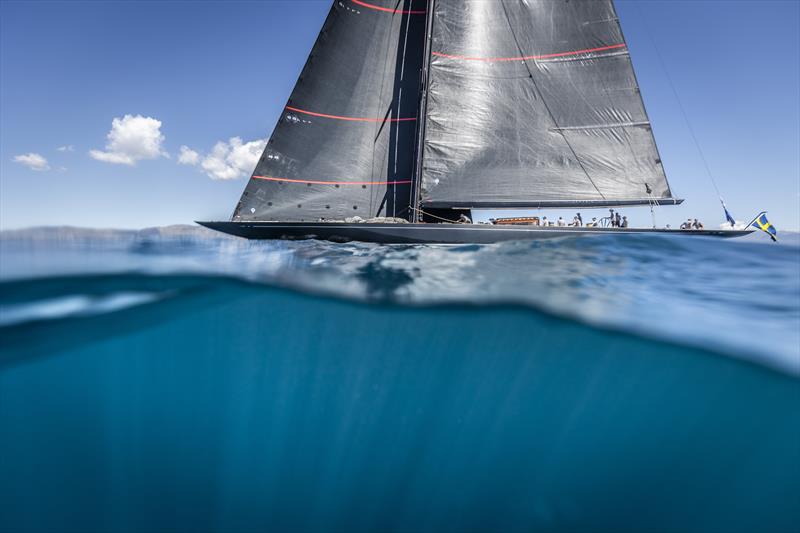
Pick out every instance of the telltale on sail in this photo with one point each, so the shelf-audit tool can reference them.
(408, 114)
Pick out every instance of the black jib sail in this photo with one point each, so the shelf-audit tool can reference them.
(535, 103)
(344, 144)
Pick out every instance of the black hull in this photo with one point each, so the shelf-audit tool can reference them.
(385, 233)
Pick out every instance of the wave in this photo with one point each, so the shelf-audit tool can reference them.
(66, 308)
(235, 405)
(75, 305)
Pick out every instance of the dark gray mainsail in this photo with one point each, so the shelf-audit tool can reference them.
(535, 103)
(345, 143)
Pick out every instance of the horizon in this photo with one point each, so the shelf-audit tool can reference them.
(105, 127)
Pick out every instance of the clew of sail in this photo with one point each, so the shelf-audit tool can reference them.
(344, 143)
(535, 102)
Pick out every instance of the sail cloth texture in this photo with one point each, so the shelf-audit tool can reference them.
(344, 144)
(535, 102)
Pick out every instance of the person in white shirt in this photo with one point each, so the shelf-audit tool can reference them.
(561, 222)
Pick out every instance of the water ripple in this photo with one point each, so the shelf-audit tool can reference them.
(739, 297)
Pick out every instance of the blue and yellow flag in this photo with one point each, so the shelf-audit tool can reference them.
(764, 225)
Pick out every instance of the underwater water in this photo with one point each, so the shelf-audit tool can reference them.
(190, 382)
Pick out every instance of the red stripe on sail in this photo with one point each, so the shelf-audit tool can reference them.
(388, 9)
(523, 58)
(318, 182)
(352, 119)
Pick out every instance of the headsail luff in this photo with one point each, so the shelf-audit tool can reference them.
(344, 144)
(535, 102)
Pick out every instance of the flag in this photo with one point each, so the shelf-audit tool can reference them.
(764, 225)
(728, 216)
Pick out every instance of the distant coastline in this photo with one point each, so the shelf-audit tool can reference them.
(78, 233)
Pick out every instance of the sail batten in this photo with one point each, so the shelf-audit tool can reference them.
(645, 123)
(532, 57)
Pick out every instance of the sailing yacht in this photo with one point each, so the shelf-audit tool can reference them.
(409, 114)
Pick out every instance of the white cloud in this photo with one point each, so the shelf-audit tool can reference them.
(66, 148)
(132, 138)
(188, 156)
(33, 161)
(228, 160)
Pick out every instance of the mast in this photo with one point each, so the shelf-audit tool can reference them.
(423, 111)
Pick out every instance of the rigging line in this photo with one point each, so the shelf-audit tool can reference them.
(400, 100)
(379, 129)
(547, 107)
(431, 215)
(680, 103)
(399, 109)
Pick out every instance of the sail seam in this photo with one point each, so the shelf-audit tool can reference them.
(389, 9)
(586, 57)
(602, 126)
(350, 119)
(320, 182)
(531, 57)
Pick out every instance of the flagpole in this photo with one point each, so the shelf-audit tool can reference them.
(756, 218)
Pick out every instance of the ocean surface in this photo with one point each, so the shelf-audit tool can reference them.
(177, 380)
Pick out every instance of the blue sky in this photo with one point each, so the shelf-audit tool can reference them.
(212, 71)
